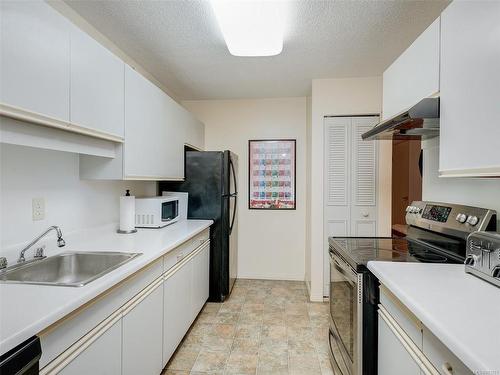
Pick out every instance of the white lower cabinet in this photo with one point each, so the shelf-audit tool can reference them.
(441, 357)
(101, 357)
(406, 346)
(176, 308)
(142, 334)
(201, 268)
(182, 304)
(393, 358)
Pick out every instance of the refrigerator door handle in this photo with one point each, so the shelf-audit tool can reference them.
(235, 196)
(234, 179)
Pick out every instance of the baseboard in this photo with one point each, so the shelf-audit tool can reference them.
(273, 277)
(316, 298)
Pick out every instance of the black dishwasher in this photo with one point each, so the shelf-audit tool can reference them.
(23, 359)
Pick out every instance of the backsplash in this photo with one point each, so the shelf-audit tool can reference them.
(470, 191)
(70, 203)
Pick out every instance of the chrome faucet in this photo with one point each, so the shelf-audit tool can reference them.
(39, 252)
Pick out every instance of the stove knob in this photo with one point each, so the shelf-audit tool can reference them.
(461, 218)
(496, 272)
(472, 220)
(471, 260)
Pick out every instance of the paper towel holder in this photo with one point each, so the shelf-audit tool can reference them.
(126, 231)
(120, 231)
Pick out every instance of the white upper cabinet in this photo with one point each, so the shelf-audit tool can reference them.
(154, 144)
(414, 75)
(54, 74)
(35, 65)
(194, 131)
(97, 86)
(470, 95)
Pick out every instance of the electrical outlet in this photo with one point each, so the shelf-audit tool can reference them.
(38, 208)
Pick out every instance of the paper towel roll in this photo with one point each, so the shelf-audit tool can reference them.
(127, 214)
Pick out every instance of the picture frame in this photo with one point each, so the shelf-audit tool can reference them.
(272, 174)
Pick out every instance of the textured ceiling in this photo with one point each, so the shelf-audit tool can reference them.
(180, 44)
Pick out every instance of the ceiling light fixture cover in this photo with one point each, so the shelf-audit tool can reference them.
(251, 27)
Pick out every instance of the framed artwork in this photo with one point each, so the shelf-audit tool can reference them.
(271, 174)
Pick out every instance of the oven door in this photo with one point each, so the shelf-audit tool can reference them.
(345, 315)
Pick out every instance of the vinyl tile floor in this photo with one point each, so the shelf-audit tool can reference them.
(265, 327)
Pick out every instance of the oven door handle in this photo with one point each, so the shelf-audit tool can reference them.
(348, 273)
(335, 336)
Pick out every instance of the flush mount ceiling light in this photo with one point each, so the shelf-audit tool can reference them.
(251, 27)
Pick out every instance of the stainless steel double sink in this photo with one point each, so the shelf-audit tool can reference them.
(67, 269)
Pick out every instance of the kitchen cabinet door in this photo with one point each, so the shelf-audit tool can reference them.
(97, 86)
(177, 308)
(393, 358)
(102, 357)
(154, 146)
(201, 265)
(441, 357)
(143, 334)
(414, 75)
(470, 110)
(35, 50)
(194, 131)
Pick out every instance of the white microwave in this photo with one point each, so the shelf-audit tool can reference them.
(158, 212)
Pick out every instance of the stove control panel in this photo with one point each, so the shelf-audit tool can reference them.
(449, 218)
(483, 256)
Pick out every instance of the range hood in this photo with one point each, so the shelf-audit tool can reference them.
(418, 122)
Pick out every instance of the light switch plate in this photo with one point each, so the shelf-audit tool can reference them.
(38, 208)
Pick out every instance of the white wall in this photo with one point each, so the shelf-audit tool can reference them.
(270, 243)
(346, 96)
(70, 203)
(469, 191)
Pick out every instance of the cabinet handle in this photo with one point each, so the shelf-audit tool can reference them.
(446, 367)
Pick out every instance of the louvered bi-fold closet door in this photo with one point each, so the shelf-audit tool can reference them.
(363, 179)
(337, 163)
(337, 176)
(350, 182)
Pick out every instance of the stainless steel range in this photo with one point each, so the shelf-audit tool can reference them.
(437, 233)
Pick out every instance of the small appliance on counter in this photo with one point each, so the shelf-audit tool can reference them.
(127, 214)
(436, 233)
(483, 256)
(158, 212)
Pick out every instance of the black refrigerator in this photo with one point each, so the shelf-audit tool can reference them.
(211, 179)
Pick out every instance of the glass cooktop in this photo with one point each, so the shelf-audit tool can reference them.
(359, 251)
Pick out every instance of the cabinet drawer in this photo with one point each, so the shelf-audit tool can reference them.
(441, 357)
(185, 249)
(404, 317)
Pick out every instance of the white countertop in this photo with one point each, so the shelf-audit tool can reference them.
(461, 310)
(26, 309)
